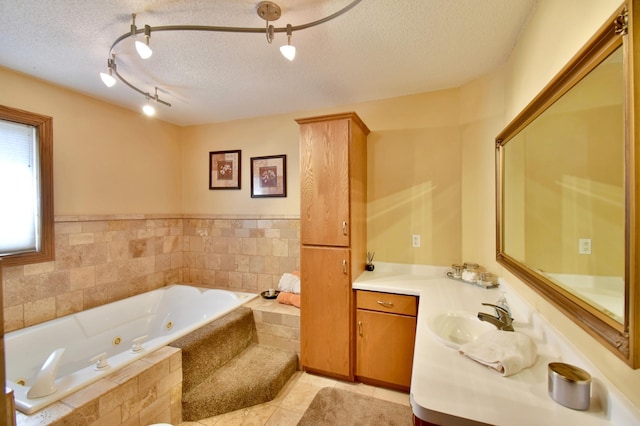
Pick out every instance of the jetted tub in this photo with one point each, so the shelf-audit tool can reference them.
(101, 340)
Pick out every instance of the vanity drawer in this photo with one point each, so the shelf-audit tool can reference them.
(387, 302)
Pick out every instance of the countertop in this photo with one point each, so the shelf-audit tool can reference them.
(448, 388)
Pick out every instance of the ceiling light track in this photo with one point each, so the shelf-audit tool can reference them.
(267, 10)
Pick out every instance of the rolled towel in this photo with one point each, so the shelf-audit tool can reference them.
(505, 351)
(289, 283)
(289, 299)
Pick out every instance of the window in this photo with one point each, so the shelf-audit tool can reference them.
(26, 187)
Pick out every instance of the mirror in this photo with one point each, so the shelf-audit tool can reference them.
(565, 189)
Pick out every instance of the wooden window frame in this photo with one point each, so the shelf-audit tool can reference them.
(44, 126)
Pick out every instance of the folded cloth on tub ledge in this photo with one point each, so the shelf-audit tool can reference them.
(289, 283)
(289, 299)
(505, 351)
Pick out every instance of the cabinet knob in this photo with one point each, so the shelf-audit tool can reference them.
(344, 227)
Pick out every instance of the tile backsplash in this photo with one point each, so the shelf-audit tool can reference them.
(101, 259)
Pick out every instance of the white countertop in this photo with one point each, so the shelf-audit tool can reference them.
(448, 388)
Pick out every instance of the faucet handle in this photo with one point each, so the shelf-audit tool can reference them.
(100, 360)
(137, 344)
(502, 313)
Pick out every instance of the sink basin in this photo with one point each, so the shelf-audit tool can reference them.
(454, 328)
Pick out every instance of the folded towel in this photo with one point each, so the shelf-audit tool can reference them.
(505, 351)
(289, 299)
(289, 283)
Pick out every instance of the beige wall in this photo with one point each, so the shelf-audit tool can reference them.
(107, 160)
(414, 186)
(258, 137)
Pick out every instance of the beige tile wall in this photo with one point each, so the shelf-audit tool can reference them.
(101, 259)
(277, 325)
(244, 254)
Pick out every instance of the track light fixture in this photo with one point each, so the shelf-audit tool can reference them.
(287, 50)
(148, 108)
(143, 49)
(266, 10)
(107, 77)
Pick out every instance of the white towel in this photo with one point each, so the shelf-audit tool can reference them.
(289, 283)
(505, 351)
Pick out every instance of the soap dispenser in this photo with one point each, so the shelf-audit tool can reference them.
(502, 302)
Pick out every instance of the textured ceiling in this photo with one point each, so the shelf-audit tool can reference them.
(379, 49)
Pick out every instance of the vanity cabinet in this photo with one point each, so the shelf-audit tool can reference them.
(385, 338)
(333, 185)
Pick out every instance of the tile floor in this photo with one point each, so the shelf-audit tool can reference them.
(290, 404)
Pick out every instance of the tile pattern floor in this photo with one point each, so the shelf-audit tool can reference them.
(290, 404)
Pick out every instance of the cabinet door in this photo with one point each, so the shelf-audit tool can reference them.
(324, 183)
(326, 310)
(384, 346)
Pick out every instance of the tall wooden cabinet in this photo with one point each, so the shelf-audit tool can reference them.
(333, 184)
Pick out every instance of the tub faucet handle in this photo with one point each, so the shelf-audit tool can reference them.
(137, 343)
(100, 360)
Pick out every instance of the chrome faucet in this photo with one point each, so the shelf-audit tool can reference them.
(502, 320)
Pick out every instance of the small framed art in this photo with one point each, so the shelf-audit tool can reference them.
(224, 169)
(269, 176)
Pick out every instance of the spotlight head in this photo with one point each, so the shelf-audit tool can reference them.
(148, 109)
(107, 79)
(143, 48)
(288, 51)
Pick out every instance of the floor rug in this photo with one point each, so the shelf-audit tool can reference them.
(333, 406)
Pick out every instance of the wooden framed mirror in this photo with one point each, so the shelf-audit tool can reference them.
(566, 175)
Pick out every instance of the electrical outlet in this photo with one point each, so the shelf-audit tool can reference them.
(415, 240)
(584, 246)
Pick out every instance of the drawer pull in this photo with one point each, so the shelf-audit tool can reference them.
(344, 228)
(360, 328)
(385, 304)
(344, 266)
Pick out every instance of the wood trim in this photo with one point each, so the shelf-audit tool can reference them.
(342, 116)
(44, 124)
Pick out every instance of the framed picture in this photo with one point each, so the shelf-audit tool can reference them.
(269, 176)
(224, 169)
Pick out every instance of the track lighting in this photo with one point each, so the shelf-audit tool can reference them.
(148, 109)
(267, 10)
(143, 49)
(107, 78)
(287, 50)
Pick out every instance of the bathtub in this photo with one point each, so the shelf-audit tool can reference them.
(101, 340)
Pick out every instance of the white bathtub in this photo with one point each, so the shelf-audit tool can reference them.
(163, 315)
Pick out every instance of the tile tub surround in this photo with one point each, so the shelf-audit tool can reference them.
(277, 325)
(104, 258)
(146, 391)
(446, 386)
